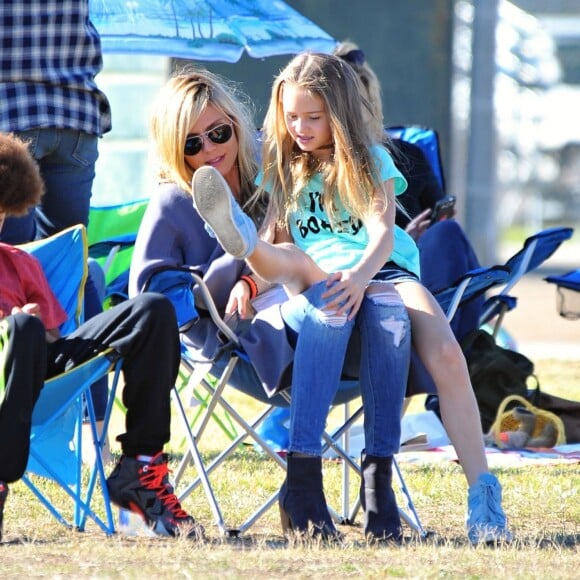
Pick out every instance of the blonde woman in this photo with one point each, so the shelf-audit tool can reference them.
(202, 120)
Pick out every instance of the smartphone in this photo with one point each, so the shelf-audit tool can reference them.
(443, 210)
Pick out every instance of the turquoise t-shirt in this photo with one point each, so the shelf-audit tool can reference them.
(342, 246)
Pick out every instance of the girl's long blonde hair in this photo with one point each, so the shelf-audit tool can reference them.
(351, 175)
(177, 108)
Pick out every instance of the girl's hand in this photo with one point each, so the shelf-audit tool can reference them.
(239, 300)
(345, 292)
(417, 226)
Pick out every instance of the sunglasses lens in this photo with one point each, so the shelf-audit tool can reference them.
(220, 134)
(193, 145)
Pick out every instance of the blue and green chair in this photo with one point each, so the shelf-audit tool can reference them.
(65, 401)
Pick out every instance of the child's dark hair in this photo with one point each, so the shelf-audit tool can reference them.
(21, 185)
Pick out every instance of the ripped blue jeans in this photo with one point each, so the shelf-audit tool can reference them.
(377, 343)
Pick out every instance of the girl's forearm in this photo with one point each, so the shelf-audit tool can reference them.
(380, 227)
(376, 255)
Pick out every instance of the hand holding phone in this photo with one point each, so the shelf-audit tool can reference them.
(444, 209)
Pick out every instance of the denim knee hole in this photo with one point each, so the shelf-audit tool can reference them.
(330, 318)
(396, 325)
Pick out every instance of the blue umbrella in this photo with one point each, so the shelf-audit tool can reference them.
(212, 30)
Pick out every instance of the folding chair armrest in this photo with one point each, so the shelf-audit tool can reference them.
(568, 294)
(176, 283)
(536, 250)
(495, 305)
(472, 284)
(102, 248)
(571, 280)
(108, 249)
(213, 311)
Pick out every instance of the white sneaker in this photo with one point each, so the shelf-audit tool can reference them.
(213, 200)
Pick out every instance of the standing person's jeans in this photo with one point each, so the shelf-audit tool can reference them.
(66, 158)
(322, 350)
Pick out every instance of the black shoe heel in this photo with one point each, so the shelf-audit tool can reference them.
(285, 521)
(382, 522)
(301, 501)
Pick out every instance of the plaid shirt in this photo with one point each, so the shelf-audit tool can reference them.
(50, 54)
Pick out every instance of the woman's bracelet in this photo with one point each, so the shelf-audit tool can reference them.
(251, 285)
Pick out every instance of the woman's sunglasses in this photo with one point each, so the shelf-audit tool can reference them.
(218, 135)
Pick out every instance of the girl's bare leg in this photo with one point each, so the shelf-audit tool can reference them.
(443, 358)
(275, 263)
(285, 264)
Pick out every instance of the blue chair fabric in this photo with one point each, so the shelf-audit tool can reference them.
(536, 249)
(56, 437)
(568, 289)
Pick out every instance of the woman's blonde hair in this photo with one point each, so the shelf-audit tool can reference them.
(351, 174)
(177, 108)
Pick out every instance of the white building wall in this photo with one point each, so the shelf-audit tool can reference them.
(124, 170)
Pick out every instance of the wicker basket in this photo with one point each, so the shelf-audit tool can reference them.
(506, 421)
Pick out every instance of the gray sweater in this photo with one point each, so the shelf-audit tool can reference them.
(173, 234)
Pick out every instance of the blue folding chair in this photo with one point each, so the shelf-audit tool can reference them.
(535, 251)
(65, 400)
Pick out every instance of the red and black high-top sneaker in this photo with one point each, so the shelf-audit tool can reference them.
(143, 488)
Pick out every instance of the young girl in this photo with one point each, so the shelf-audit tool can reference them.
(326, 196)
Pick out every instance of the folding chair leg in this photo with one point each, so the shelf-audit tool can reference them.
(198, 377)
(81, 497)
(202, 474)
(496, 327)
(411, 518)
(258, 513)
(99, 441)
(204, 471)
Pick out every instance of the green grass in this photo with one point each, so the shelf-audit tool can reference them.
(542, 503)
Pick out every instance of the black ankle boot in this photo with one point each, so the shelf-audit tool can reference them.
(381, 520)
(301, 500)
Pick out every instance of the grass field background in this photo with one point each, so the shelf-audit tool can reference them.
(542, 503)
